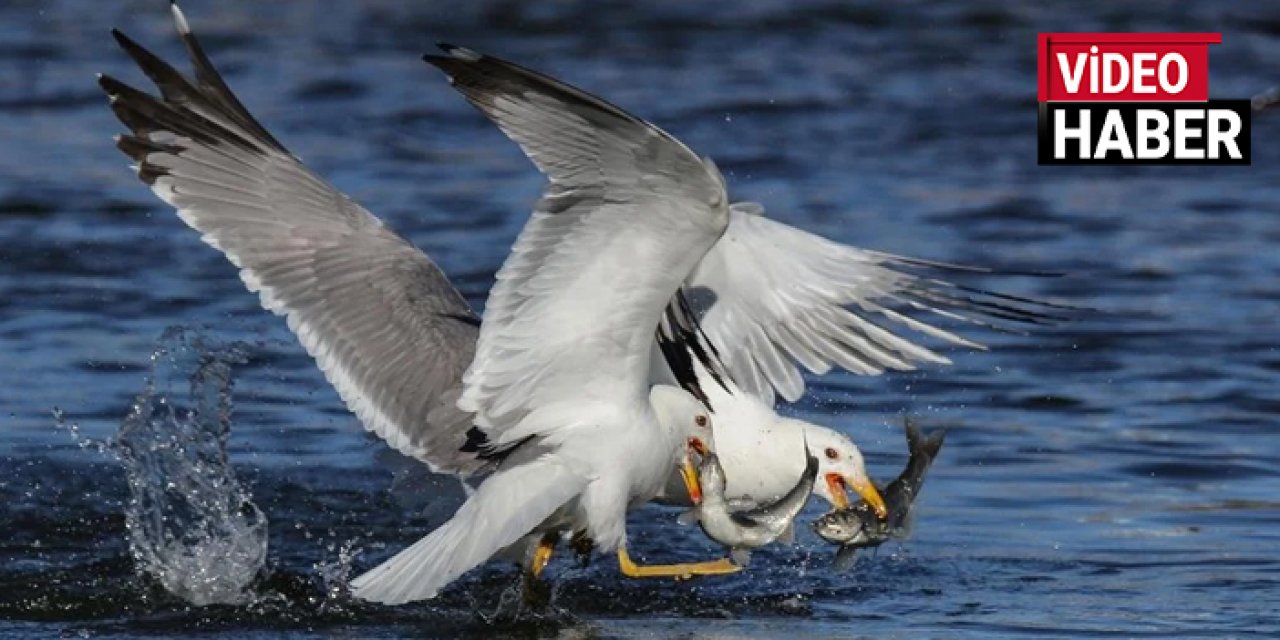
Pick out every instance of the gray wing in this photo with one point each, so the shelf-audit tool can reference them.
(382, 321)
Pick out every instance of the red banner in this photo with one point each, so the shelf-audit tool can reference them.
(1125, 67)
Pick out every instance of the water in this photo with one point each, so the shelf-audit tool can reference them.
(192, 527)
(1113, 477)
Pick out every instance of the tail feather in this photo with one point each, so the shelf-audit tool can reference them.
(506, 506)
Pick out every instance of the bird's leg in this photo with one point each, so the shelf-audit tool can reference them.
(681, 571)
(542, 555)
(582, 545)
(536, 593)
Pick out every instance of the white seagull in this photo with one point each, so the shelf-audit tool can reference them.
(556, 364)
(762, 453)
(561, 372)
(768, 299)
(558, 387)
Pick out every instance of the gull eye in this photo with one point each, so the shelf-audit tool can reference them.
(831, 453)
(700, 420)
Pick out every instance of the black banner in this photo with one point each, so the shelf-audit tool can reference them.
(1157, 133)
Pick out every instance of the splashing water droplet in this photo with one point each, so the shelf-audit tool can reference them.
(335, 575)
(191, 524)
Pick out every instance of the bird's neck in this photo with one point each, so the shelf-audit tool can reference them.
(653, 450)
(763, 478)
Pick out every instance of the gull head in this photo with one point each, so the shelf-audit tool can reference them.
(840, 468)
(688, 423)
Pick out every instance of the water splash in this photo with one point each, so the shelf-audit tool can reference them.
(335, 575)
(192, 526)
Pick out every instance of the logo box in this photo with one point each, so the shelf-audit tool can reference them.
(1135, 98)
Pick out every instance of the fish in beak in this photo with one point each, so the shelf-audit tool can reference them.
(689, 470)
(863, 487)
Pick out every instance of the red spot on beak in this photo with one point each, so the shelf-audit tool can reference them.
(696, 445)
(835, 485)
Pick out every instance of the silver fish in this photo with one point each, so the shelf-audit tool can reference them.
(857, 527)
(742, 531)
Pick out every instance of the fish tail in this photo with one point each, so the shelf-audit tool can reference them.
(933, 443)
(919, 444)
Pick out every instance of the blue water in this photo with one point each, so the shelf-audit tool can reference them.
(1112, 477)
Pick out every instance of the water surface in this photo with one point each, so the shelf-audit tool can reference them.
(1113, 477)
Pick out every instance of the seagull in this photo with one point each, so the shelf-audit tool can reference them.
(556, 387)
(763, 455)
(769, 299)
(555, 363)
(562, 363)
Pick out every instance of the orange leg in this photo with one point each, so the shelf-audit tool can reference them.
(542, 555)
(681, 571)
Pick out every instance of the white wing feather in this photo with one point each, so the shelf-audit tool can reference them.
(506, 507)
(772, 296)
(627, 214)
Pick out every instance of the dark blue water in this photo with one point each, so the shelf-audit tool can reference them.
(1113, 477)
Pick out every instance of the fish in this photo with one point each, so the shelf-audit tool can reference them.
(741, 531)
(857, 527)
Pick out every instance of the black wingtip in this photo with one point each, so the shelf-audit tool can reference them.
(454, 52)
(136, 51)
(953, 267)
(124, 41)
(110, 85)
(441, 61)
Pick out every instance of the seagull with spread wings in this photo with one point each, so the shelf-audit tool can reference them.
(553, 394)
(558, 389)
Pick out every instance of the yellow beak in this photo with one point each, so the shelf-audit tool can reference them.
(691, 482)
(689, 471)
(863, 488)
